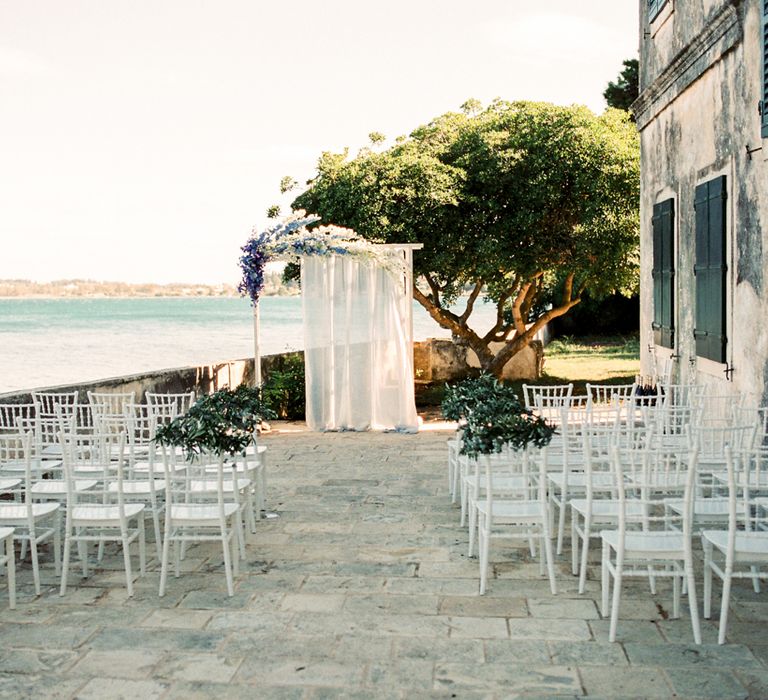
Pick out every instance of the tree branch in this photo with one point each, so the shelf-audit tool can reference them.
(471, 302)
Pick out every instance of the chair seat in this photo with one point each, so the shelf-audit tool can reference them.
(750, 546)
(648, 545)
(37, 466)
(606, 509)
(702, 507)
(9, 483)
(58, 487)
(210, 485)
(17, 512)
(200, 513)
(513, 510)
(579, 480)
(137, 487)
(97, 513)
(158, 468)
(502, 483)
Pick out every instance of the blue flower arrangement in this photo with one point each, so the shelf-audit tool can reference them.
(290, 240)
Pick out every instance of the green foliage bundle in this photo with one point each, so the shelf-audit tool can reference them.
(284, 390)
(512, 200)
(459, 399)
(492, 417)
(221, 423)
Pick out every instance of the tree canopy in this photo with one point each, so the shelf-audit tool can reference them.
(512, 201)
(622, 93)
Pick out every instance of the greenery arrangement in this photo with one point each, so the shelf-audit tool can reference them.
(492, 417)
(284, 390)
(516, 200)
(220, 423)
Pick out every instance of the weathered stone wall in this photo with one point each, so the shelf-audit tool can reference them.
(441, 360)
(697, 114)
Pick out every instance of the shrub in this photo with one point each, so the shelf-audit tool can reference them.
(284, 391)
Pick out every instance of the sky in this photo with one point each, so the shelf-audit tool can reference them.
(143, 140)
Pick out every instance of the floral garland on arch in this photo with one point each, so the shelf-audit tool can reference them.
(290, 239)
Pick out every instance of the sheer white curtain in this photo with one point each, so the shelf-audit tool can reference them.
(359, 368)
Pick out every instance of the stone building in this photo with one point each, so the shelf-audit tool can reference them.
(704, 194)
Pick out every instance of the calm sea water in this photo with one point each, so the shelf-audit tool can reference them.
(45, 342)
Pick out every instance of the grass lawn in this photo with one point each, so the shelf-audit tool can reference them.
(598, 360)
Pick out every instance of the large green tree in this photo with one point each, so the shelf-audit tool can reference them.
(511, 202)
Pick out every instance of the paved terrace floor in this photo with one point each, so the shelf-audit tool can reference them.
(362, 589)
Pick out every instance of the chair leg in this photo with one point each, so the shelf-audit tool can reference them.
(605, 580)
(755, 579)
(616, 601)
(227, 560)
(547, 546)
(57, 543)
(472, 529)
(707, 546)
(11, 566)
(561, 524)
(574, 543)
(676, 583)
(127, 562)
(158, 537)
(483, 546)
(693, 604)
(35, 563)
(65, 562)
(724, 604)
(164, 561)
(142, 546)
(584, 556)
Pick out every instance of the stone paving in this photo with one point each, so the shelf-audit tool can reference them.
(361, 588)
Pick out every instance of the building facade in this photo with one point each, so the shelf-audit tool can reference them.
(704, 192)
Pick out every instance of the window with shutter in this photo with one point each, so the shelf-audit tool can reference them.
(764, 91)
(664, 273)
(654, 7)
(711, 270)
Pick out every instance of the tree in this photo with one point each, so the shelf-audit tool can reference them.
(512, 201)
(626, 89)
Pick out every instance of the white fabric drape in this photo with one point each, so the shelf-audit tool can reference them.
(357, 352)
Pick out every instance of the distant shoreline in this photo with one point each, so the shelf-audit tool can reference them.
(22, 297)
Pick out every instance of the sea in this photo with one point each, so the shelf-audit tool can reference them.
(49, 342)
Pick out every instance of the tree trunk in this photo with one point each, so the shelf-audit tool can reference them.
(520, 339)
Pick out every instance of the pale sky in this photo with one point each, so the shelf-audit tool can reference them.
(142, 140)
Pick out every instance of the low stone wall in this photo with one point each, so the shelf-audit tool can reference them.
(202, 379)
(434, 360)
(442, 360)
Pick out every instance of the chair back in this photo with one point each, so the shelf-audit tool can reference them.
(642, 496)
(551, 395)
(167, 406)
(606, 393)
(12, 413)
(110, 403)
(16, 457)
(46, 402)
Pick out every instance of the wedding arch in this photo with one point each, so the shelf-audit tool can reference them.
(357, 303)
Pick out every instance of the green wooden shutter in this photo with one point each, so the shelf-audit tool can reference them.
(664, 273)
(764, 91)
(711, 270)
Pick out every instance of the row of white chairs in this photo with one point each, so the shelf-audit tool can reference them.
(578, 472)
(107, 477)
